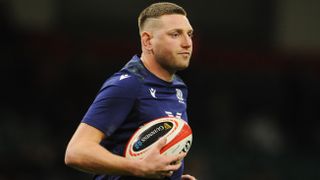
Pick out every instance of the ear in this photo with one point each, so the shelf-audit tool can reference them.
(146, 40)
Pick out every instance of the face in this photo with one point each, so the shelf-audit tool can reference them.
(172, 42)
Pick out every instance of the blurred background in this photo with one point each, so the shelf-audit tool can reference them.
(254, 83)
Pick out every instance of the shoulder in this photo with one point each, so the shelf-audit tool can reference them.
(135, 68)
(130, 74)
(122, 83)
(126, 82)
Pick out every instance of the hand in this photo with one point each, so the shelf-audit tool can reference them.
(187, 177)
(156, 165)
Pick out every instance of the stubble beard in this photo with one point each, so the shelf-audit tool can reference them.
(169, 63)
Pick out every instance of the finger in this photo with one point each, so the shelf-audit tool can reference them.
(162, 142)
(182, 155)
(173, 167)
(167, 173)
(187, 177)
(176, 159)
(158, 145)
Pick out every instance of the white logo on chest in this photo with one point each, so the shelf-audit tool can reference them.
(124, 76)
(170, 114)
(153, 92)
(180, 96)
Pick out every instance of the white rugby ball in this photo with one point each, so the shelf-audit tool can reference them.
(177, 132)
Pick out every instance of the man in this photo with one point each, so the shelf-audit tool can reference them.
(145, 89)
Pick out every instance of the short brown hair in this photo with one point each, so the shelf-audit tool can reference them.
(159, 9)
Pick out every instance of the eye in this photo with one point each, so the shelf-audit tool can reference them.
(174, 35)
(190, 35)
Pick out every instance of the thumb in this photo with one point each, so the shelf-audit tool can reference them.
(162, 142)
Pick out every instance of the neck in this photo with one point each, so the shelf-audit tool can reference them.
(155, 68)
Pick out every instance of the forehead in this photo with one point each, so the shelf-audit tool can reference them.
(174, 21)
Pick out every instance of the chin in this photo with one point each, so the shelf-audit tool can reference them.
(182, 67)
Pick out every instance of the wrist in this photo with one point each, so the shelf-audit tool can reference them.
(135, 167)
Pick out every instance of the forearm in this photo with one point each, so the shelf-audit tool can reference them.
(85, 153)
(93, 158)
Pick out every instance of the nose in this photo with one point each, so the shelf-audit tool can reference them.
(186, 41)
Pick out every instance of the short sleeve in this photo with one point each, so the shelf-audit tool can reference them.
(113, 103)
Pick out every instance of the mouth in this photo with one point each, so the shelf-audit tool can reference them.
(185, 53)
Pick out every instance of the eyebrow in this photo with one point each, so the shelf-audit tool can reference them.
(181, 30)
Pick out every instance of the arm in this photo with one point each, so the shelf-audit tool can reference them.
(85, 153)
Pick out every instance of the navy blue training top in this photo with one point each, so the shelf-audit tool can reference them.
(130, 98)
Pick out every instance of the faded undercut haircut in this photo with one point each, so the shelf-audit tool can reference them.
(159, 9)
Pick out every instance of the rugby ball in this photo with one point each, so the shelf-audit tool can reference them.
(177, 132)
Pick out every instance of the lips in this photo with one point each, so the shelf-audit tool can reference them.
(185, 53)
